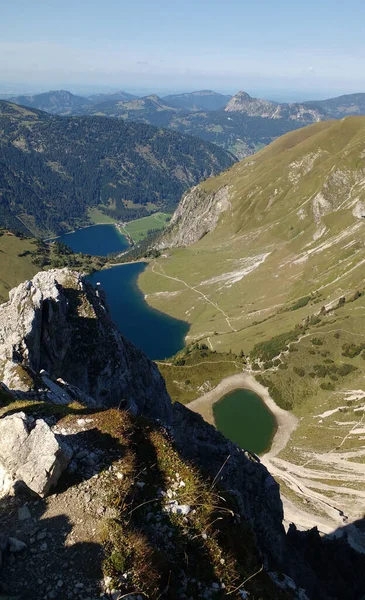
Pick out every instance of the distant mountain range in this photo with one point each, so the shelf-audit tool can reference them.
(53, 169)
(240, 124)
(306, 112)
(59, 102)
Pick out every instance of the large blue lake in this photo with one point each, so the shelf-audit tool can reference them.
(99, 240)
(159, 335)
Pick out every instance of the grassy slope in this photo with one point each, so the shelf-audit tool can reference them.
(293, 202)
(98, 218)
(264, 221)
(138, 229)
(14, 269)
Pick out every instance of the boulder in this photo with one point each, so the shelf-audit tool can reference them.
(30, 453)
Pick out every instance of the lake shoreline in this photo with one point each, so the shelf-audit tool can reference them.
(286, 422)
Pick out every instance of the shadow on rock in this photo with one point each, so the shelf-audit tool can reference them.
(51, 565)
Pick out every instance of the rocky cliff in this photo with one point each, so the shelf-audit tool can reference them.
(58, 323)
(196, 215)
(256, 107)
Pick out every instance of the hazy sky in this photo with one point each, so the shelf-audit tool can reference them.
(312, 48)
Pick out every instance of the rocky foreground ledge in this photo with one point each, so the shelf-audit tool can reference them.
(108, 490)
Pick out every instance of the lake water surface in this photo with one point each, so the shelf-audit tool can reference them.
(99, 240)
(244, 419)
(159, 335)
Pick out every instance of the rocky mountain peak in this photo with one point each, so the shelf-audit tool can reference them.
(243, 96)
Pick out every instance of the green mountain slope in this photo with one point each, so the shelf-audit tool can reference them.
(52, 169)
(58, 102)
(274, 267)
(342, 106)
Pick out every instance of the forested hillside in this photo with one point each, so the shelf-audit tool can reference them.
(53, 169)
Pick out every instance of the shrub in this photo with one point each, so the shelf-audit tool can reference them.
(179, 362)
(327, 385)
(300, 303)
(272, 348)
(336, 335)
(317, 342)
(255, 366)
(345, 369)
(352, 350)
(299, 371)
(320, 370)
(355, 296)
(314, 320)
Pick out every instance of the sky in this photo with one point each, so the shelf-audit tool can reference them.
(283, 50)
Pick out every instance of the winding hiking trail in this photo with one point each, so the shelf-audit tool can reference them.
(193, 289)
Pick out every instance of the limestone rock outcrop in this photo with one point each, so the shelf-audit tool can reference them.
(30, 454)
(58, 323)
(197, 214)
(257, 107)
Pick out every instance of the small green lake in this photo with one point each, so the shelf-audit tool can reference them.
(244, 419)
(99, 240)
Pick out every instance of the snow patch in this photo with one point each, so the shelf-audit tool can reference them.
(299, 168)
(359, 210)
(353, 395)
(328, 413)
(321, 206)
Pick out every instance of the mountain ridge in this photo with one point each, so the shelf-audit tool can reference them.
(242, 125)
(54, 168)
(278, 279)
